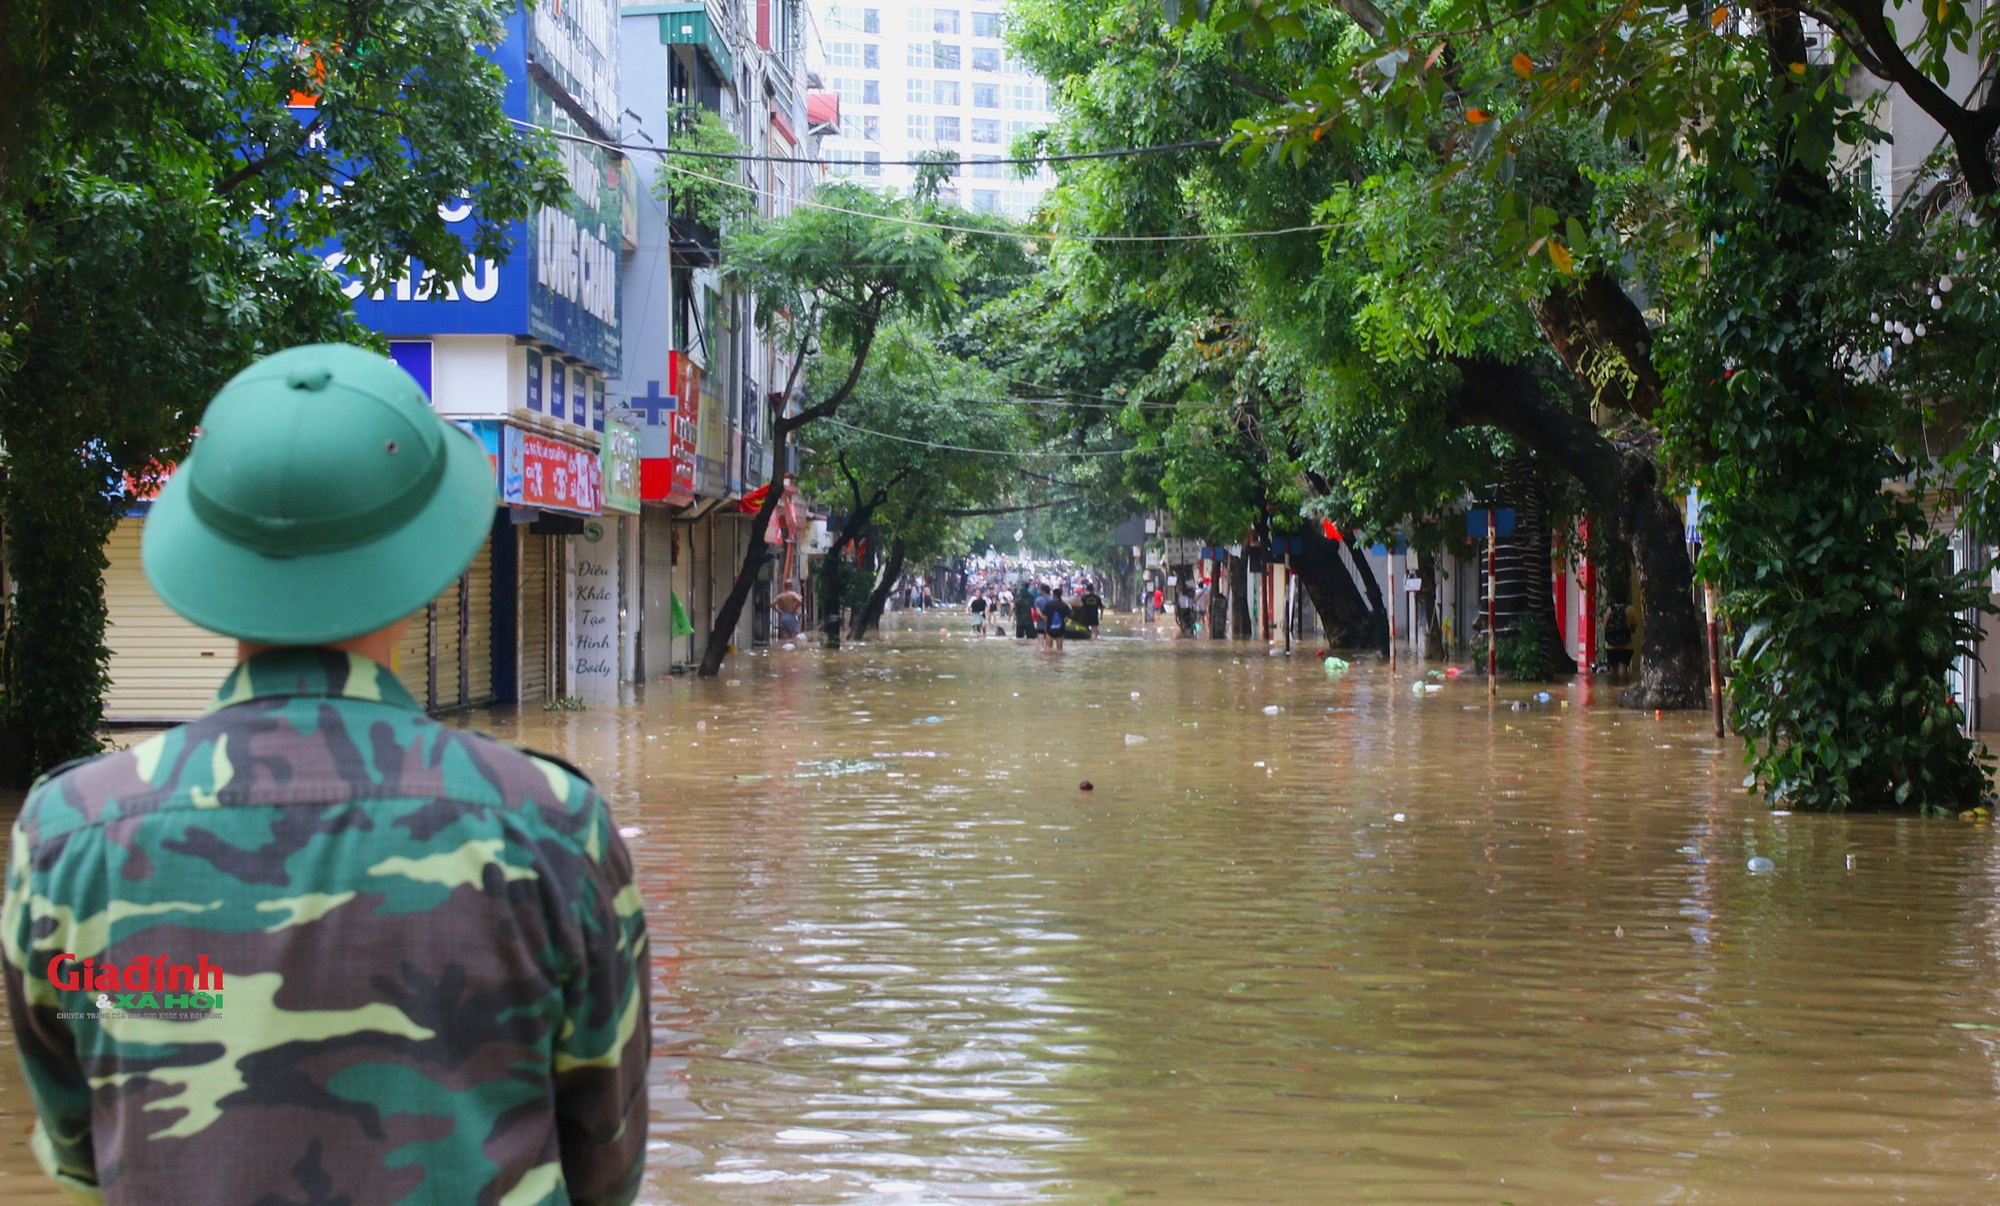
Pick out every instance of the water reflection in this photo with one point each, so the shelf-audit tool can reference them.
(1308, 940)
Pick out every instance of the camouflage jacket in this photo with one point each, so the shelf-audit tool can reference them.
(434, 955)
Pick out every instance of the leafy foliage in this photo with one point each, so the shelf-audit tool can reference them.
(163, 211)
(705, 191)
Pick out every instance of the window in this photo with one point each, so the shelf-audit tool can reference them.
(985, 129)
(917, 92)
(986, 96)
(871, 57)
(986, 201)
(946, 56)
(944, 20)
(1017, 128)
(871, 92)
(843, 54)
(871, 128)
(920, 20)
(1018, 202)
(946, 129)
(985, 58)
(920, 55)
(1025, 96)
(871, 163)
(985, 25)
(1014, 66)
(984, 167)
(945, 92)
(917, 127)
(847, 16)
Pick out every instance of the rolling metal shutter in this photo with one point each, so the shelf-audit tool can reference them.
(162, 667)
(479, 627)
(534, 612)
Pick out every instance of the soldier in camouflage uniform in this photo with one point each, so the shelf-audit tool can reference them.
(316, 948)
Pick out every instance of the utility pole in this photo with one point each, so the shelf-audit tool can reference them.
(1492, 638)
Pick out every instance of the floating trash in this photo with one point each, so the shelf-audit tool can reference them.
(827, 767)
(788, 645)
(630, 831)
(1272, 709)
(1086, 785)
(1400, 817)
(1134, 739)
(1543, 697)
(1761, 865)
(1336, 665)
(1135, 695)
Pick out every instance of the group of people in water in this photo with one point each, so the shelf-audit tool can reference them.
(1038, 610)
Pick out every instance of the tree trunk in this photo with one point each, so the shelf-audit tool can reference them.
(1239, 596)
(1427, 602)
(731, 611)
(1624, 485)
(870, 615)
(1378, 615)
(1673, 649)
(1343, 615)
(1524, 589)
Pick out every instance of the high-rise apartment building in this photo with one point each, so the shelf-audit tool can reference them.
(919, 78)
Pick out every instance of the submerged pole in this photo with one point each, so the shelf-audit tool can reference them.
(1714, 655)
(1492, 638)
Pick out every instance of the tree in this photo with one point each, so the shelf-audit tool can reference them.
(899, 451)
(164, 207)
(826, 277)
(1731, 211)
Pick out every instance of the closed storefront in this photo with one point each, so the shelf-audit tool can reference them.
(534, 616)
(445, 658)
(162, 667)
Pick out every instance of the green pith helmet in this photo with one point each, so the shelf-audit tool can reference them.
(323, 499)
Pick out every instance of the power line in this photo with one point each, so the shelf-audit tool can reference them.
(982, 451)
(954, 161)
(1049, 236)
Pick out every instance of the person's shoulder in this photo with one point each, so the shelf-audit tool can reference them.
(525, 774)
(75, 793)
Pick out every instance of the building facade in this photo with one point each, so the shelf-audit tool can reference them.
(519, 354)
(915, 79)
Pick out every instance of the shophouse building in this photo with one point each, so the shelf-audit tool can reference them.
(518, 353)
(699, 378)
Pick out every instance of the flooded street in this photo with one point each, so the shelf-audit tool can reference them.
(1308, 940)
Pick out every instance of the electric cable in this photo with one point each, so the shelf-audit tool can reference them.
(1044, 452)
(1048, 236)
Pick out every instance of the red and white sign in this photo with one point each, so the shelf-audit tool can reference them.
(542, 472)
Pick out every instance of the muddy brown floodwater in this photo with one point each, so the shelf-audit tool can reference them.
(1308, 940)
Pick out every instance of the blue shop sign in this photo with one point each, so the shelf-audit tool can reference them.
(560, 281)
